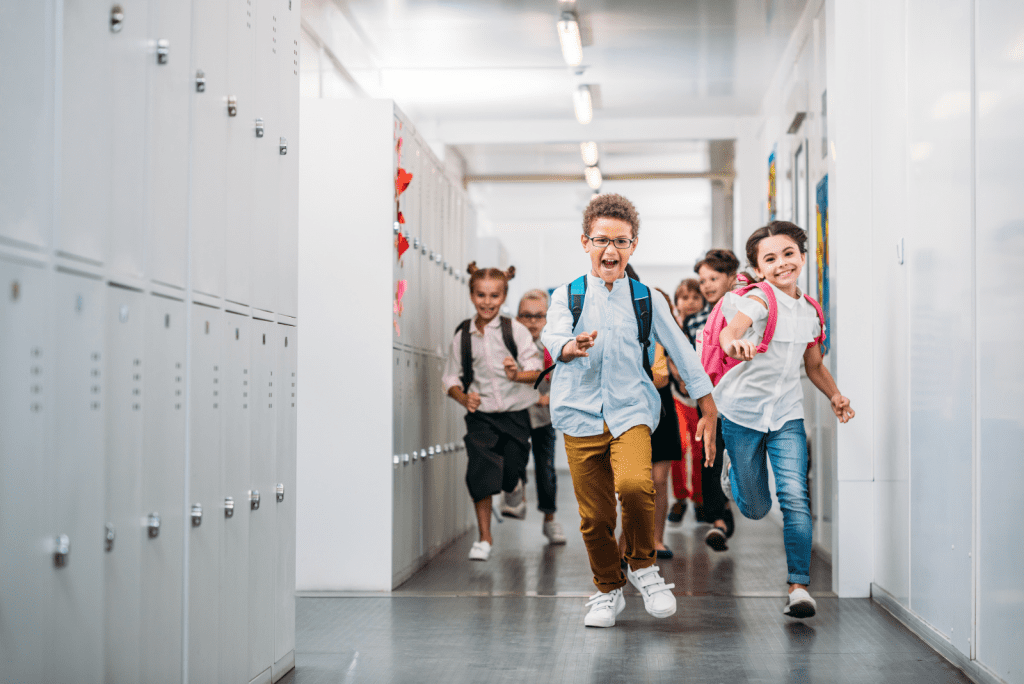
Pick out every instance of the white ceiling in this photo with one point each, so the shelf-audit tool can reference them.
(669, 156)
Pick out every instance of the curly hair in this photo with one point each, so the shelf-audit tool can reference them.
(611, 206)
(721, 260)
(477, 274)
(791, 230)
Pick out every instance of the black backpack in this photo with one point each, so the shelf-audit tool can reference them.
(465, 327)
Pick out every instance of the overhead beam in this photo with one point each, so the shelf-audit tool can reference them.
(526, 131)
(578, 178)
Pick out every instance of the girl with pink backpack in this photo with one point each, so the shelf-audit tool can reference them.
(752, 349)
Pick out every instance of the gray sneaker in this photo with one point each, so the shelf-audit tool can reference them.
(553, 531)
(514, 503)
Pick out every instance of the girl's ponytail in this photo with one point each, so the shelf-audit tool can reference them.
(476, 274)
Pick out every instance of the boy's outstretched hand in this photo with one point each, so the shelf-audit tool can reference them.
(707, 428)
(841, 407)
(577, 348)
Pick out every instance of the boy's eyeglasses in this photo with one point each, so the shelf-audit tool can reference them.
(620, 243)
(534, 317)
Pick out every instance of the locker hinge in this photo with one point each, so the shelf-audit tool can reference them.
(61, 551)
(229, 506)
(200, 81)
(163, 50)
(254, 499)
(197, 515)
(232, 105)
(259, 128)
(153, 525)
(283, 148)
(116, 18)
(280, 492)
(109, 537)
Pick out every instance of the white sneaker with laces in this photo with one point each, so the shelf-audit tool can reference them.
(800, 605)
(513, 504)
(553, 531)
(481, 551)
(604, 607)
(658, 597)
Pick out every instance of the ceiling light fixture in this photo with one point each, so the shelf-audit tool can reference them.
(589, 152)
(569, 37)
(593, 176)
(583, 104)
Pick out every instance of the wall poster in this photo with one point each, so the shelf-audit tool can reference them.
(821, 225)
(773, 204)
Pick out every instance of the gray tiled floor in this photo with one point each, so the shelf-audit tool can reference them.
(519, 618)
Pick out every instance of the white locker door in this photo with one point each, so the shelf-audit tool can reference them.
(131, 57)
(262, 519)
(163, 490)
(234, 558)
(77, 479)
(85, 130)
(122, 572)
(284, 498)
(397, 450)
(267, 125)
(288, 156)
(26, 530)
(241, 142)
(26, 172)
(204, 537)
(171, 84)
(209, 146)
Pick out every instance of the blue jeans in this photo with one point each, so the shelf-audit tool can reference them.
(786, 448)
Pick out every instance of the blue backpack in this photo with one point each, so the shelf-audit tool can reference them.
(641, 296)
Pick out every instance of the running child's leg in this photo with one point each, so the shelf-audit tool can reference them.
(749, 473)
(787, 451)
(631, 464)
(543, 440)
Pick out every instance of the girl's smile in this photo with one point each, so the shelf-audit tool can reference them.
(488, 296)
(780, 261)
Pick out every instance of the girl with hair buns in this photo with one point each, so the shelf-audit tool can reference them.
(491, 369)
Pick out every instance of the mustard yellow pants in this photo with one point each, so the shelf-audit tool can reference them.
(602, 466)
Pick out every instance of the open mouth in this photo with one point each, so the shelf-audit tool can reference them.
(610, 263)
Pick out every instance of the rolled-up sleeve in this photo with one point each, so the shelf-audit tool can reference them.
(667, 333)
(453, 366)
(529, 357)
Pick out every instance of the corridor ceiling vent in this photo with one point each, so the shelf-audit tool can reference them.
(593, 176)
(583, 104)
(588, 150)
(569, 38)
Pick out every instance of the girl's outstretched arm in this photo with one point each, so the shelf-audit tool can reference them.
(818, 373)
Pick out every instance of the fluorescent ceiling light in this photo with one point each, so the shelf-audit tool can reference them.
(569, 37)
(583, 104)
(593, 176)
(589, 152)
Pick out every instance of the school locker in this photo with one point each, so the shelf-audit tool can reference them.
(205, 525)
(261, 510)
(239, 108)
(123, 532)
(209, 146)
(27, 532)
(284, 497)
(85, 131)
(287, 256)
(233, 635)
(170, 83)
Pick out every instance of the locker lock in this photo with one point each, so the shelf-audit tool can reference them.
(200, 81)
(163, 50)
(283, 147)
(116, 18)
(61, 550)
(398, 228)
(396, 459)
(229, 506)
(197, 515)
(254, 500)
(153, 524)
(279, 490)
(415, 455)
(446, 266)
(259, 128)
(424, 250)
(415, 243)
(423, 454)
(437, 449)
(405, 459)
(232, 105)
(108, 538)
(430, 452)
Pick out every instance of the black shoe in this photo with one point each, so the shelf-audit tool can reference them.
(676, 513)
(698, 510)
(730, 522)
(664, 554)
(715, 538)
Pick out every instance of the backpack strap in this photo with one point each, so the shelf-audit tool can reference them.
(773, 312)
(641, 296)
(576, 292)
(506, 335)
(821, 318)
(467, 353)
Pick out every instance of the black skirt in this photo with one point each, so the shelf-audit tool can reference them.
(665, 444)
(498, 446)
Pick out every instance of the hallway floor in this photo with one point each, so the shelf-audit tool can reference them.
(519, 618)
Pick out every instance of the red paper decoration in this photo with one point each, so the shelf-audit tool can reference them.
(401, 244)
(402, 181)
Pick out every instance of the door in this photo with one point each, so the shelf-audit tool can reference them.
(284, 495)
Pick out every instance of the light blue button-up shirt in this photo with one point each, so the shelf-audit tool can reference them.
(611, 386)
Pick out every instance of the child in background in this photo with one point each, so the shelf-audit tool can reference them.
(533, 313)
(761, 401)
(495, 387)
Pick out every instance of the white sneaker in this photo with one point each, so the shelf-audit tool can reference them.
(800, 605)
(604, 607)
(553, 531)
(513, 504)
(658, 597)
(481, 551)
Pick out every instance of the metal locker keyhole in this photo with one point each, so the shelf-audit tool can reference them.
(163, 51)
(153, 525)
(200, 81)
(61, 551)
(116, 18)
(259, 128)
(229, 506)
(197, 515)
(283, 147)
(280, 492)
(254, 499)
(108, 538)
(232, 106)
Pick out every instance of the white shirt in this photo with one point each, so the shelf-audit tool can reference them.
(765, 393)
(610, 385)
(497, 393)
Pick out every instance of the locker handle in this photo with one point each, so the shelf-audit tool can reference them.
(254, 499)
(153, 524)
(280, 492)
(430, 452)
(197, 515)
(283, 147)
(396, 459)
(229, 506)
(163, 51)
(116, 18)
(232, 105)
(259, 128)
(109, 538)
(200, 81)
(61, 550)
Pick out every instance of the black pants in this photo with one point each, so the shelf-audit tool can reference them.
(498, 446)
(543, 440)
(711, 480)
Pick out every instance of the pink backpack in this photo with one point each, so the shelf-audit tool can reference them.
(714, 359)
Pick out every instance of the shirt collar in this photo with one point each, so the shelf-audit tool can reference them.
(495, 322)
(594, 281)
(783, 298)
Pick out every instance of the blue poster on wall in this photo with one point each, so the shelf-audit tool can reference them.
(773, 205)
(821, 226)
